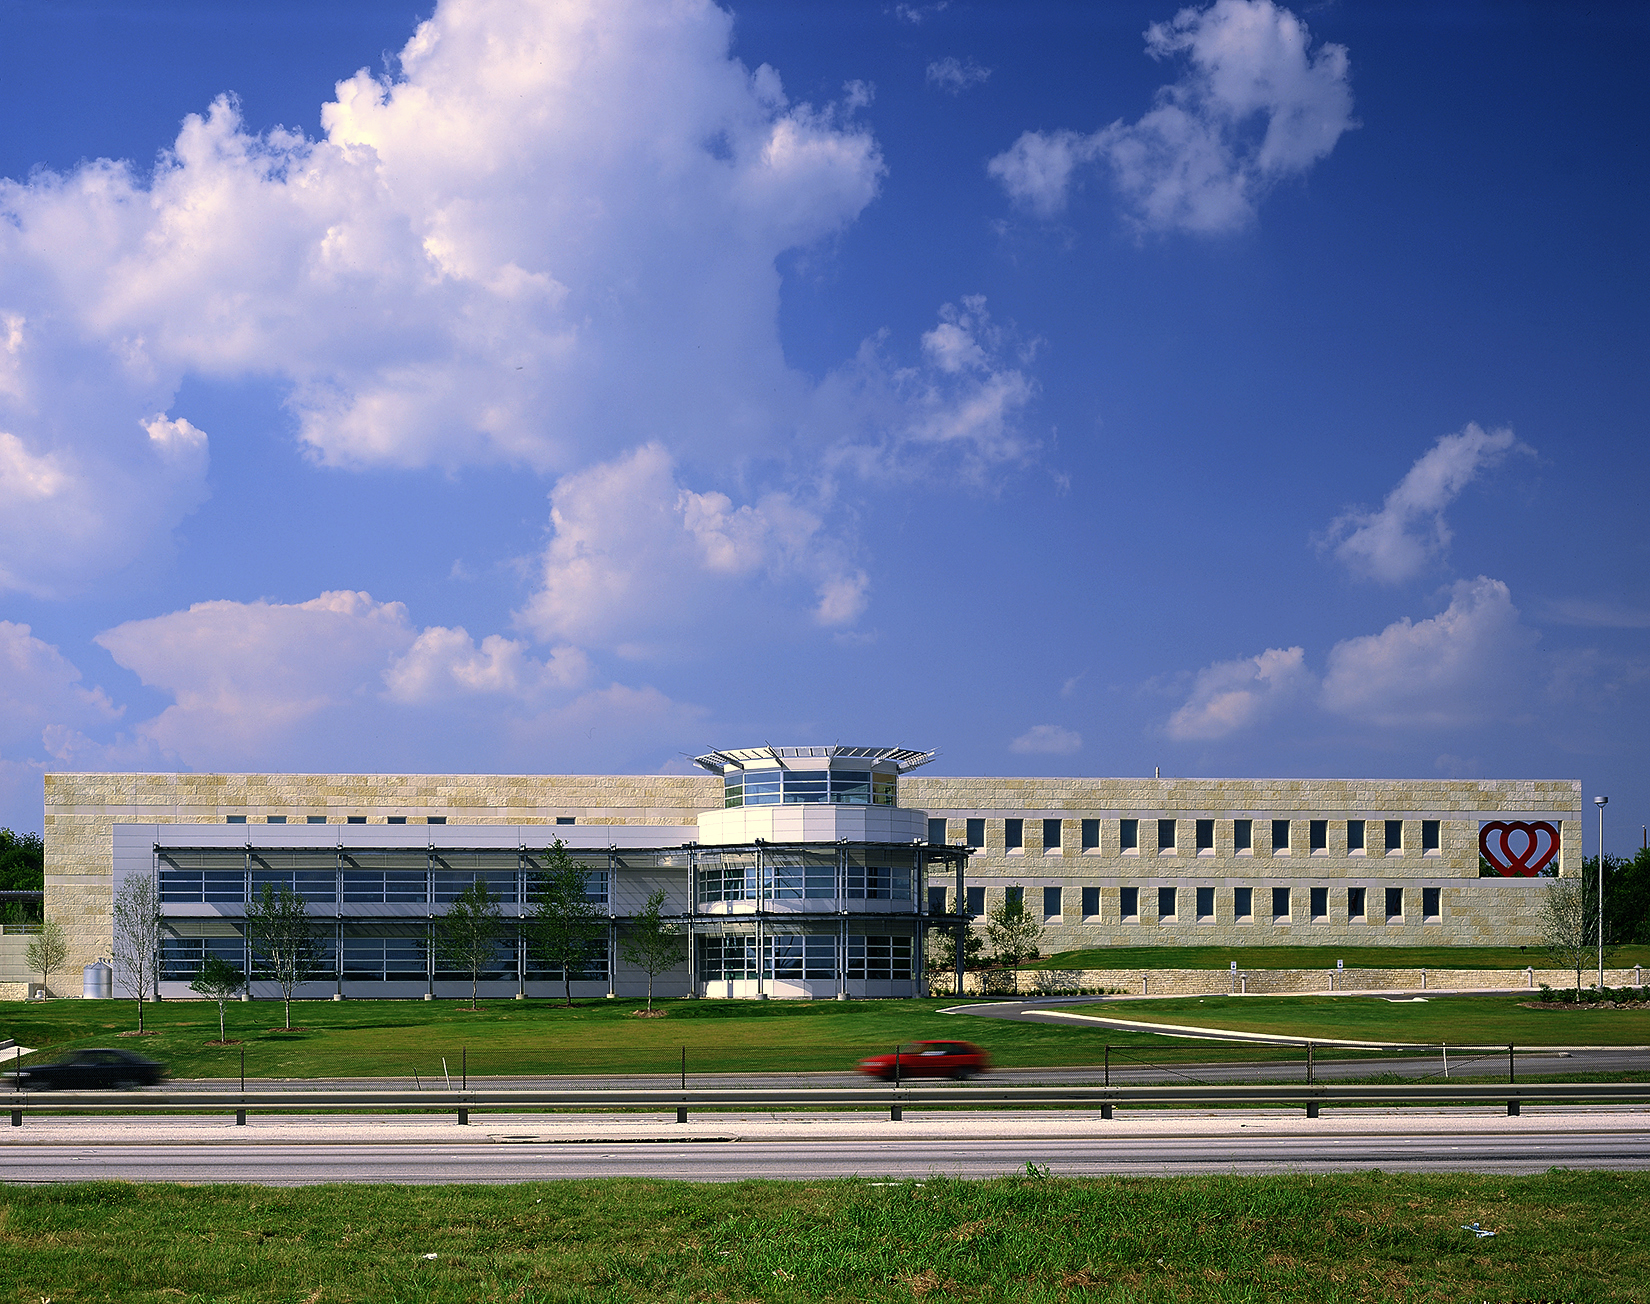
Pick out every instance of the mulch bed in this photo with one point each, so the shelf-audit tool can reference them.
(1585, 1005)
(286, 1029)
(230, 1042)
(135, 1033)
(649, 1014)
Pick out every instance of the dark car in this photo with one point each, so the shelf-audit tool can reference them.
(928, 1059)
(89, 1070)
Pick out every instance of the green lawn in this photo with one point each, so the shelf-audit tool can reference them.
(1570, 1236)
(1483, 1020)
(1321, 957)
(399, 1038)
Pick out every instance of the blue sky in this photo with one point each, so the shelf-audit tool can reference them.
(1077, 389)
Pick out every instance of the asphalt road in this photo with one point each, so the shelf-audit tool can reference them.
(1519, 1149)
(1126, 1070)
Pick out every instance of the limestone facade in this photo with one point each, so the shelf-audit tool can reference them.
(1079, 863)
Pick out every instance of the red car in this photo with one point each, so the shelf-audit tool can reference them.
(929, 1059)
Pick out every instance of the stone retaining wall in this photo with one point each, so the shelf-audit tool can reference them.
(1222, 982)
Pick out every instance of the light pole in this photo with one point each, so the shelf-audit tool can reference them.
(1601, 803)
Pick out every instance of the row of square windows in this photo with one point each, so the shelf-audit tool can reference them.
(1202, 899)
(358, 819)
(1358, 833)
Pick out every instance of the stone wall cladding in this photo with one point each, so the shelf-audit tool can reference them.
(82, 809)
(1256, 982)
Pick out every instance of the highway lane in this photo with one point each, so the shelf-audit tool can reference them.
(1526, 1149)
(1133, 1067)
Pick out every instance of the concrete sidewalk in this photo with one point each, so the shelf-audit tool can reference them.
(857, 1126)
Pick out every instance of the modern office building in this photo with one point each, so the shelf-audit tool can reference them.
(793, 871)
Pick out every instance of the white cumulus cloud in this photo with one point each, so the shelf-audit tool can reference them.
(1256, 104)
(954, 75)
(637, 559)
(40, 688)
(1230, 696)
(1047, 739)
(1409, 531)
(550, 234)
(1470, 664)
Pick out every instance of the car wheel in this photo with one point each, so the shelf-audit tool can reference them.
(962, 1075)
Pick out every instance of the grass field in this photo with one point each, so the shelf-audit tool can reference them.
(399, 1038)
(1322, 957)
(1361, 1237)
(1496, 1020)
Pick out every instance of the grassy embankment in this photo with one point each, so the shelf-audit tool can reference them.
(399, 1038)
(1497, 1020)
(1324, 957)
(1358, 1237)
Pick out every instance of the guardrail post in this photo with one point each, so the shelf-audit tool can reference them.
(681, 1113)
(1311, 1109)
(1105, 1111)
(17, 1118)
(895, 1114)
(463, 1115)
(1512, 1109)
(240, 1118)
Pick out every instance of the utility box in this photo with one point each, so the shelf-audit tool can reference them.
(98, 981)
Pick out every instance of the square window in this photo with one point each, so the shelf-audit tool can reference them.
(235, 819)
(1128, 902)
(1243, 903)
(1317, 832)
(1165, 903)
(355, 819)
(1165, 835)
(1429, 903)
(274, 819)
(936, 832)
(1205, 903)
(976, 900)
(1320, 903)
(1429, 837)
(1128, 835)
(1280, 903)
(1091, 835)
(1280, 837)
(565, 819)
(1395, 903)
(1394, 837)
(1051, 902)
(1243, 837)
(1205, 837)
(936, 900)
(316, 819)
(976, 833)
(1051, 835)
(1355, 837)
(1354, 903)
(1014, 835)
(1091, 902)
(1014, 896)
(402, 819)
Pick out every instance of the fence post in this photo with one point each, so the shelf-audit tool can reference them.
(1108, 1068)
(464, 1066)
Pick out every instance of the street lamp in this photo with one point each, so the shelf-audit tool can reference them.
(1601, 803)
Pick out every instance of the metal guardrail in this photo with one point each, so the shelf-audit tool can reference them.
(893, 1099)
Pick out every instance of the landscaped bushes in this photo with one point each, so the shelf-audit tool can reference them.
(1620, 997)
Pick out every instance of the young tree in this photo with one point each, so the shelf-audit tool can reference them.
(47, 951)
(282, 941)
(1013, 935)
(137, 939)
(653, 943)
(942, 950)
(565, 920)
(218, 980)
(1569, 920)
(467, 936)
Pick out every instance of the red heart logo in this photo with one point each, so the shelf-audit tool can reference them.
(1529, 858)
